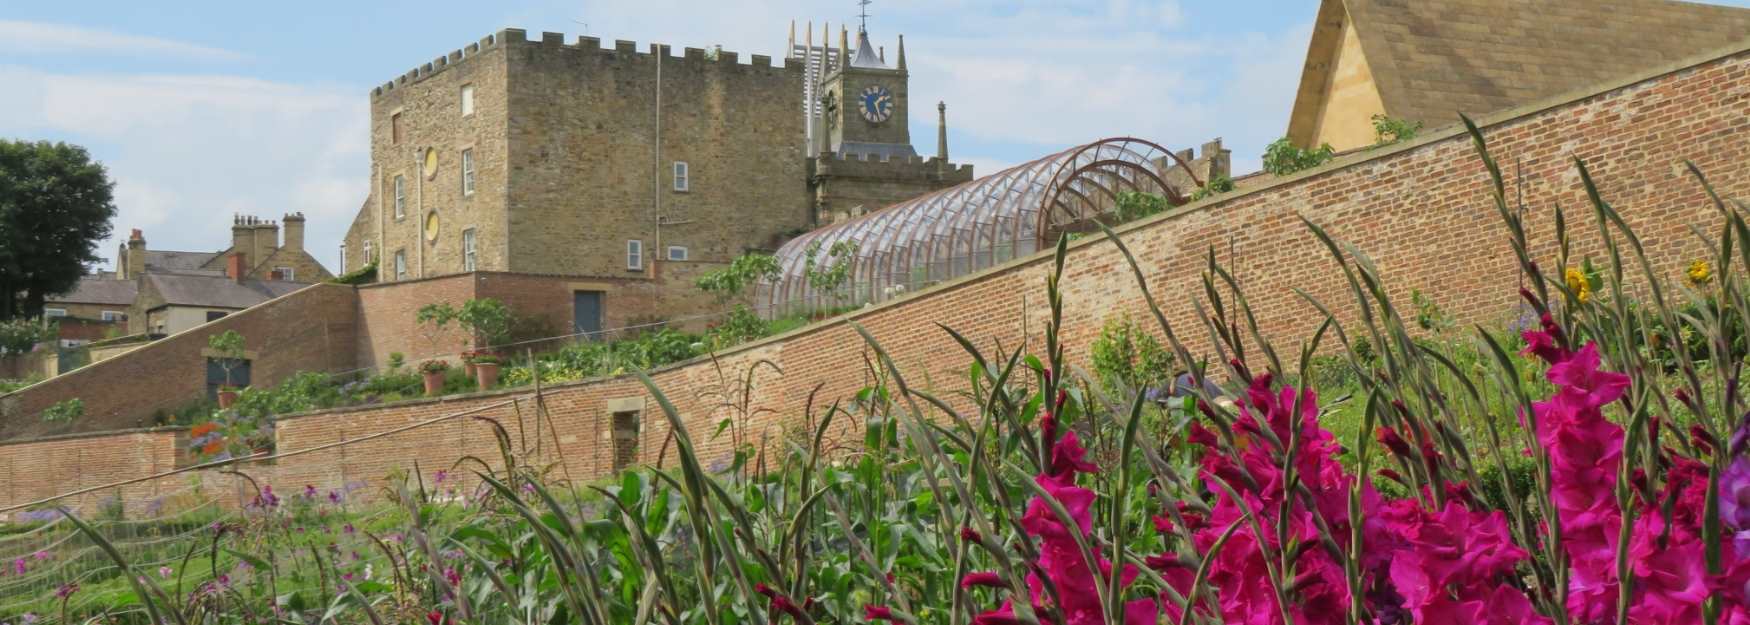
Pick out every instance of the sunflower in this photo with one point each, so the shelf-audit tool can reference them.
(1578, 284)
(1699, 273)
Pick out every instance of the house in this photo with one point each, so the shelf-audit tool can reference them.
(1426, 62)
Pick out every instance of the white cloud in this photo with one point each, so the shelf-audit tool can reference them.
(186, 152)
(19, 37)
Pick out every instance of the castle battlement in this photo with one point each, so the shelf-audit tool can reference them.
(700, 57)
(876, 166)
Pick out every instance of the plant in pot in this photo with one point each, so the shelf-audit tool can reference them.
(433, 318)
(433, 370)
(488, 320)
(486, 371)
(228, 345)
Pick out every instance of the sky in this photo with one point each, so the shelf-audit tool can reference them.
(205, 109)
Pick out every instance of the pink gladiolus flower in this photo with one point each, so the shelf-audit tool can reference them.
(982, 578)
(877, 613)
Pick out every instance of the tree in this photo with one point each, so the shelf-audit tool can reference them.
(55, 205)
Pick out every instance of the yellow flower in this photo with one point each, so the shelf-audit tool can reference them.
(1699, 273)
(1578, 284)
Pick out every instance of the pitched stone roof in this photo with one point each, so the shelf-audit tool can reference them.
(101, 290)
(1431, 59)
(168, 260)
(217, 291)
(865, 55)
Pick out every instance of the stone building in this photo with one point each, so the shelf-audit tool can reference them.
(1428, 61)
(630, 170)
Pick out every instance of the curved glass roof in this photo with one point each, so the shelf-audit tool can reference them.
(971, 226)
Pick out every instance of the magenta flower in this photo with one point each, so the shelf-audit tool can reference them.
(66, 590)
(877, 613)
(164, 572)
(988, 579)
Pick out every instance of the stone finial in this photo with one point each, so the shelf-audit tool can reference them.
(941, 130)
(901, 64)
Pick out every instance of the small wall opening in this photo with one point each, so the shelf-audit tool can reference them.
(625, 441)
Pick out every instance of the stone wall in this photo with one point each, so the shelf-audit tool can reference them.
(851, 186)
(584, 138)
(312, 329)
(1421, 210)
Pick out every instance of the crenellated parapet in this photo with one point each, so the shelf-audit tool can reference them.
(713, 59)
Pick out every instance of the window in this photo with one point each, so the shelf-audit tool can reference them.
(680, 176)
(113, 316)
(634, 255)
(677, 252)
(343, 259)
(469, 252)
(54, 312)
(212, 315)
(467, 100)
(467, 172)
(400, 197)
(370, 255)
(286, 273)
(395, 128)
(400, 264)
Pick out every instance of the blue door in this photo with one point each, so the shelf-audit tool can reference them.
(586, 314)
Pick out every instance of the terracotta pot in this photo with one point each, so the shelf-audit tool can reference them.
(226, 398)
(486, 375)
(469, 368)
(434, 382)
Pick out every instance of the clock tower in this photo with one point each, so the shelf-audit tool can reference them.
(857, 109)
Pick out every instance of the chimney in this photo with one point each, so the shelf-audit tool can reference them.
(294, 232)
(267, 239)
(242, 236)
(136, 258)
(234, 266)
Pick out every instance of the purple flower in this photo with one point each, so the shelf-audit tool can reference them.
(333, 497)
(41, 555)
(18, 566)
(348, 529)
(66, 590)
(440, 476)
(309, 491)
(164, 572)
(1735, 502)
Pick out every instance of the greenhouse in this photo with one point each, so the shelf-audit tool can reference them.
(968, 227)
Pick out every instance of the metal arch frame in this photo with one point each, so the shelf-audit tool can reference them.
(970, 226)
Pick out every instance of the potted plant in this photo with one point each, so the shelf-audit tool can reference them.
(434, 371)
(468, 360)
(229, 347)
(486, 370)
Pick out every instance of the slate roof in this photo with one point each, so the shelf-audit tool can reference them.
(101, 290)
(1434, 58)
(168, 260)
(866, 56)
(217, 291)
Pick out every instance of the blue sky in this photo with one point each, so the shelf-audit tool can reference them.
(205, 109)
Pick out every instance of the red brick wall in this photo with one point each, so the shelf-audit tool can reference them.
(1421, 211)
(309, 330)
(387, 320)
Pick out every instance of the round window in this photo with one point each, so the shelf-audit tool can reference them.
(431, 226)
(431, 162)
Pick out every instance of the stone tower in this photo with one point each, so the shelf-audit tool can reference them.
(859, 138)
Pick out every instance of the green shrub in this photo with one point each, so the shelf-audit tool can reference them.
(363, 275)
(18, 336)
(1215, 186)
(739, 326)
(65, 411)
(489, 319)
(1134, 205)
(1388, 130)
(1283, 157)
(745, 271)
(1127, 359)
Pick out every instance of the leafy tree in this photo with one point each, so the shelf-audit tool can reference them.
(19, 336)
(829, 275)
(730, 282)
(229, 346)
(55, 205)
(488, 318)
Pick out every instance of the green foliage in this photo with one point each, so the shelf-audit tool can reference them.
(432, 319)
(1389, 130)
(1134, 205)
(397, 360)
(229, 345)
(830, 274)
(56, 204)
(357, 277)
(304, 391)
(1283, 157)
(488, 318)
(741, 325)
(65, 411)
(1215, 186)
(9, 385)
(434, 366)
(746, 270)
(1428, 314)
(1127, 359)
(19, 336)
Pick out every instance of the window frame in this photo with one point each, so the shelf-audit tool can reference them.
(400, 193)
(634, 255)
(467, 97)
(684, 254)
(395, 128)
(470, 250)
(681, 174)
(118, 316)
(468, 172)
(343, 258)
(400, 265)
(287, 273)
(370, 253)
(49, 312)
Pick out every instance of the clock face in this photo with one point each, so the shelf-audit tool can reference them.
(876, 103)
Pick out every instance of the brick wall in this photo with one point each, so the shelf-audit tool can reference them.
(1420, 210)
(309, 330)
